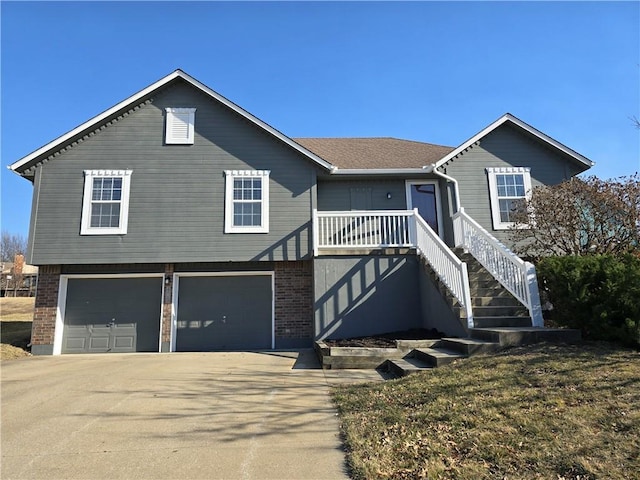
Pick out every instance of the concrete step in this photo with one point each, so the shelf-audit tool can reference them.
(500, 311)
(507, 321)
(489, 296)
(506, 301)
(514, 336)
(485, 283)
(480, 275)
(492, 313)
(402, 367)
(468, 346)
(437, 357)
(495, 291)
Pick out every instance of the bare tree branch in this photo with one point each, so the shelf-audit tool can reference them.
(579, 217)
(10, 245)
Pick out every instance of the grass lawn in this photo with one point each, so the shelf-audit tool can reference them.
(539, 412)
(16, 315)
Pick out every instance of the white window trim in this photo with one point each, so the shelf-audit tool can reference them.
(498, 224)
(85, 226)
(230, 175)
(169, 139)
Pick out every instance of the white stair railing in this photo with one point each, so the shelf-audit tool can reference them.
(450, 269)
(394, 228)
(516, 275)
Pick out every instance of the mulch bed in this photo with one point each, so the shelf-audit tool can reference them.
(386, 340)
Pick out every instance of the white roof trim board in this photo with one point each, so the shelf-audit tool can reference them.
(382, 171)
(507, 117)
(141, 94)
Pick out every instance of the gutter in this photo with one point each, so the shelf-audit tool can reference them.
(381, 171)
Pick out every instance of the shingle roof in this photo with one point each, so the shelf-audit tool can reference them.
(370, 153)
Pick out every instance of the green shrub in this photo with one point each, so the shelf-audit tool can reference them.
(599, 294)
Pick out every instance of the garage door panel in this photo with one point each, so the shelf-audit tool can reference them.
(112, 315)
(99, 343)
(224, 313)
(77, 344)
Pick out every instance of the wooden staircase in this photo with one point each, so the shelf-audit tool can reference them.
(500, 321)
(493, 305)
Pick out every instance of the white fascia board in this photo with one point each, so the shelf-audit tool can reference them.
(507, 117)
(382, 171)
(154, 86)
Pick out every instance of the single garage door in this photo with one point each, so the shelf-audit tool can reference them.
(224, 313)
(112, 315)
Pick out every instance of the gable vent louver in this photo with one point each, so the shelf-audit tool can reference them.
(180, 125)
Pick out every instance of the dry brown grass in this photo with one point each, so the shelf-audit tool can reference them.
(16, 308)
(16, 315)
(539, 412)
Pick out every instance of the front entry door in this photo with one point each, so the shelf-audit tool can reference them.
(424, 197)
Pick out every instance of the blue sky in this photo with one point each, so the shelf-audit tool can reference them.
(426, 71)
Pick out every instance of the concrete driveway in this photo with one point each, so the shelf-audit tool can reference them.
(236, 415)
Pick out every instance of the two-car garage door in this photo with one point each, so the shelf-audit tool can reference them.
(123, 314)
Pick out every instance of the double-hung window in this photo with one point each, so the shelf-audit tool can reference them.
(246, 201)
(105, 205)
(507, 187)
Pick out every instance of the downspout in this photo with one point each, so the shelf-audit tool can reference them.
(456, 190)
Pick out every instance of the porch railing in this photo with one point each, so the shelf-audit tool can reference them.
(362, 229)
(516, 275)
(394, 228)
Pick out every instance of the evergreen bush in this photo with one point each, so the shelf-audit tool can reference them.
(598, 294)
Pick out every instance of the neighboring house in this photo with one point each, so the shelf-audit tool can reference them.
(18, 279)
(177, 221)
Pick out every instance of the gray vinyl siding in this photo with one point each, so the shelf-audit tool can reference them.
(504, 147)
(368, 295)
(176, 209)
(336, 195)
(32, 219)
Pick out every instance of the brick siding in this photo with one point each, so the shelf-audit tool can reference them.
(44, 315)
(167, 304)
(293, 302)
(293, 299)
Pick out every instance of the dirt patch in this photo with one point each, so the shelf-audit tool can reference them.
(386, 340)
(9, 352)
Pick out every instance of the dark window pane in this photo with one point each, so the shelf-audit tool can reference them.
(97, 189)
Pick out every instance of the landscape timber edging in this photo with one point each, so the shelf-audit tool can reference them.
(365, 358)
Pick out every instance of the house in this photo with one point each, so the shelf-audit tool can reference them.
(18, 279)
(178, 221)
